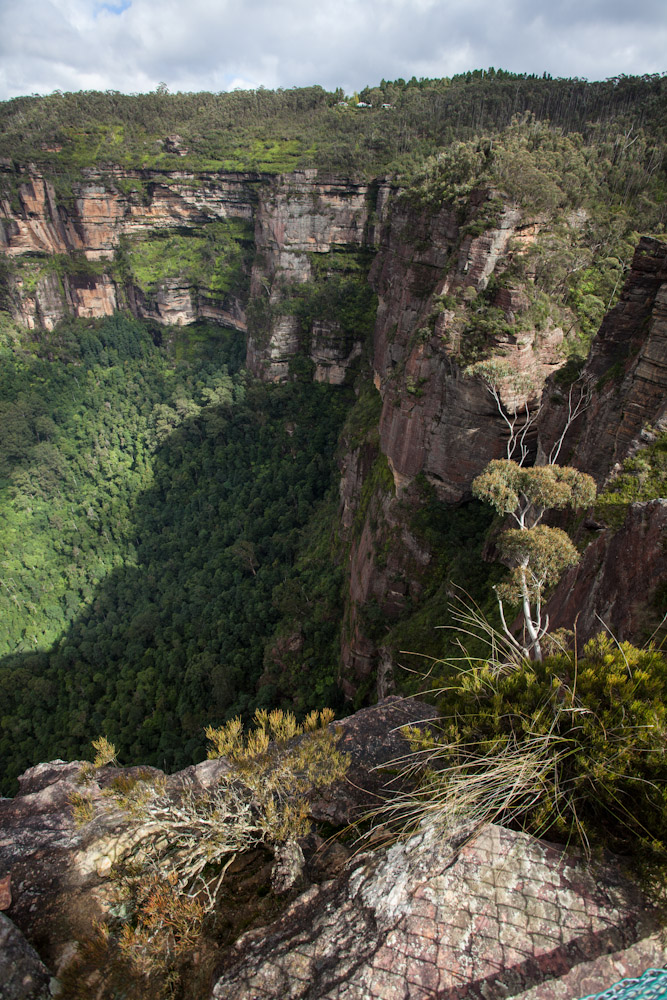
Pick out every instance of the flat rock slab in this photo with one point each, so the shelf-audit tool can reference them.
(503, 914)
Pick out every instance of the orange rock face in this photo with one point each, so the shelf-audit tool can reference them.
(95, 222)
(616, 578)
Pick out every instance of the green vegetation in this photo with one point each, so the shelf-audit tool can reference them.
(339, 289)
(277, 131)
(427, 632)
(215, 257)
(155, 513)
(642, 477)
(170, 549)
(571, 748)
(594, 195)
(302, 661)
(338, 296)
(539, 554)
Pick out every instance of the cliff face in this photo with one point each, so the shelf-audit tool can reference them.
(93, 223)
(314, 247)
(438, 425)
(616, 579)
(99, 213)
(298, 217)
(428, 274)
(442, 425)
(622, 569)
(627, 368)
(291, 219)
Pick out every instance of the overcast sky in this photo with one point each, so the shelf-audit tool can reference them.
(132, 45)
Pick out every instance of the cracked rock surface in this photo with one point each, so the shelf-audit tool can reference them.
(504, 915)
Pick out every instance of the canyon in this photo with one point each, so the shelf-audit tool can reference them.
(388, 293)
(430, 272)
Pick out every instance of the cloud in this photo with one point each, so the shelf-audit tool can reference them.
(132, 45)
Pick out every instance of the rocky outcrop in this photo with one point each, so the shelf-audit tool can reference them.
(56, 297)
(22, 975)
(496, 916)
(492, 915)
(60, 840)
(620, 572)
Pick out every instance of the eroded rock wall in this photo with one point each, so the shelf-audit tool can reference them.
(438, 425)
(293, 217)
(100, 213)
(435, 419)
(299, 216)
(92, 224)
(616, 579)
(627, 372)
(622, 569)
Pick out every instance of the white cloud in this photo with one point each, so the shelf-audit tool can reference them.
(220, 44)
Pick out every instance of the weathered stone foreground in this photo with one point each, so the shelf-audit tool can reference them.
(506, 916)
(499, 915)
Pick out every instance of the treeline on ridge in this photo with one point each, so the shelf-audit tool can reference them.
(275, 131)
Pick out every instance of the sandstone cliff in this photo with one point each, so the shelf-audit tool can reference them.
(352, 276)
(93, 221)
(439, 427)
(622, 571)
(71, 255)
(299, 216)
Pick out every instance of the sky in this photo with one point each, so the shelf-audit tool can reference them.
(216, 45)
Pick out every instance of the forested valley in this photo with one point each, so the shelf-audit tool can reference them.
(160, 516)
(173, 538)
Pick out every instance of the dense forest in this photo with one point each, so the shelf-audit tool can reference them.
(275, 131)
(170, 538)
(155, 516)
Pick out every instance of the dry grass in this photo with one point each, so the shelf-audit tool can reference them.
(572, 748)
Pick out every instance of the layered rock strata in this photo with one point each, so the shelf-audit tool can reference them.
(294, 216)
(100, 213)
(298, 216)
(94, 222)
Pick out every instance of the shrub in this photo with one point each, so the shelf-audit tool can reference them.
(181, 842)
(571, 748)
